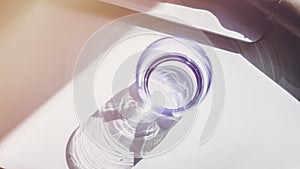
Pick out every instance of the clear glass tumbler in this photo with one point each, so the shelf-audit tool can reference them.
(173, 76)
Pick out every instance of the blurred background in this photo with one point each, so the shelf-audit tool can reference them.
(39, 43)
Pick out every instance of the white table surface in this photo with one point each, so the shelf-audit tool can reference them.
(259, 128)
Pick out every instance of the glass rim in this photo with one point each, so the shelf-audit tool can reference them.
(143, 75)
